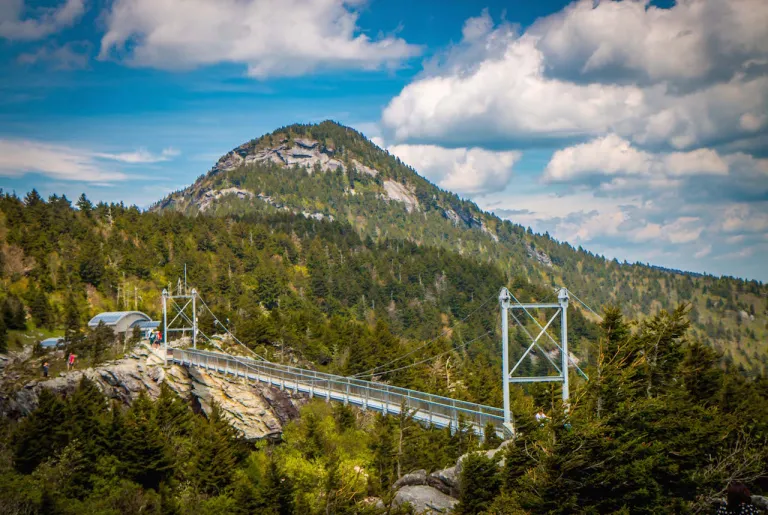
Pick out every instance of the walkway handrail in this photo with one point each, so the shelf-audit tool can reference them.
(438, 410)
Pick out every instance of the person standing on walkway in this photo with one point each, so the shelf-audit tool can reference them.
(45, 369)
(71, 361)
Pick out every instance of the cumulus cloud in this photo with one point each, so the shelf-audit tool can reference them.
(503, 87)
(19, 157)
(271, 37)
(612, 156)
(692, 42)
(24, 23)
(462, 170)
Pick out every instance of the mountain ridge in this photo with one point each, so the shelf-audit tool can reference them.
(330, 172)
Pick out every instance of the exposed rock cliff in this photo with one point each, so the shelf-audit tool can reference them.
(256, 411)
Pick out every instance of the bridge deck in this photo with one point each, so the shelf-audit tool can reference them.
(427, 408)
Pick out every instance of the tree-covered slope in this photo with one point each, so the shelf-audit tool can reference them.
(328, 171)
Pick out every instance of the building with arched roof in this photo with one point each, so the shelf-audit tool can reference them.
(119, 321)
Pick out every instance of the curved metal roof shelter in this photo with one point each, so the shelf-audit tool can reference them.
(120, 321)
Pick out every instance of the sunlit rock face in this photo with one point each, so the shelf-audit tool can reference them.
(256, 411)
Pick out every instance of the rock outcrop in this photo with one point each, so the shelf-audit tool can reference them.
(400, 193)
(303, 152)
(207, 199)
(256, 411)
(538, 255)
(424, 499)
(437, 492)
(418, 477)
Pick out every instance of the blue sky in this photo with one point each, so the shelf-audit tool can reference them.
(637, 130)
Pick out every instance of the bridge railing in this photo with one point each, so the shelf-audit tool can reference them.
(428, 408)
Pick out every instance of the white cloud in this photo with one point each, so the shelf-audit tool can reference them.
(271, 37)
(462, 170)
(499, 86)
(692, 41)
(19, 157)
(19, 22)
(140, 156)
(612, 156)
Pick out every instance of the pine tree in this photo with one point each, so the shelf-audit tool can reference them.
(13, 313)
(84, 205)
(144, 452)
(490, 439)
(39, 308)
(99, 340)
(214, 454)
(480, 484)
(277, 491)
(41, 434)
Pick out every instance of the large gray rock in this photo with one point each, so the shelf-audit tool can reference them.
(418, 477)
(424, 499)
(445, 480)
(255, 410)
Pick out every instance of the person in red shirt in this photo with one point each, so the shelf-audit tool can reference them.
(71, 361)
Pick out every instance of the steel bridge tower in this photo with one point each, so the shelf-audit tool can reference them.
(508, 304)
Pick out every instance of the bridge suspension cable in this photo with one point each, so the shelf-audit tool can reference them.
(232, 335)
(584, 304)
(463, 345)
(367, 372)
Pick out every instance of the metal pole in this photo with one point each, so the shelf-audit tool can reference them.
(562, 298)
(194, 314)
(165, 326)
(504, 298)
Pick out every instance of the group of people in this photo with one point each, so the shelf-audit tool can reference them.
(155, 337)
(70, 364)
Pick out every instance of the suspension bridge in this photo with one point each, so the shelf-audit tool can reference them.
(427, 408)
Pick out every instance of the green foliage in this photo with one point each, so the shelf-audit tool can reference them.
(480, 484)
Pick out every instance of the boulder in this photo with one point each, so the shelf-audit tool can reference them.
(445, 480)
(424, 499)
(418, 477)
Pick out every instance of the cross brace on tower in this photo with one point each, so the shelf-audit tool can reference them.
(508, 302)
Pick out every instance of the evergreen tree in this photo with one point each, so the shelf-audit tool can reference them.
(84, 205)
(40, 309)
(490, 439)
(480, 484)
(41, 434)
(13, 313)
(99, 340)
(144, 452)
(277, 491)
(214, 454)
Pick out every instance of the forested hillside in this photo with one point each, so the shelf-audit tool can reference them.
(330, 171)
(660, 428)
(663, 425)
